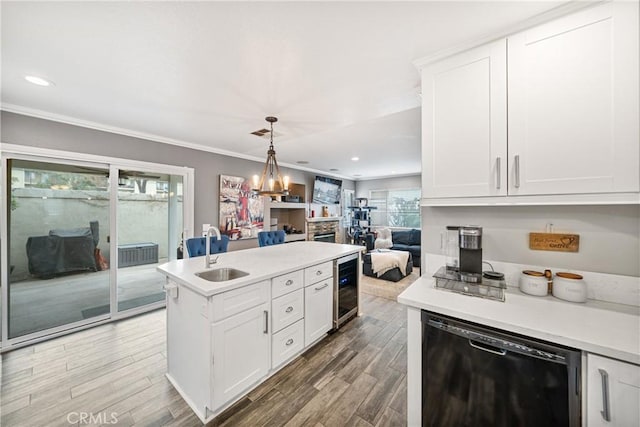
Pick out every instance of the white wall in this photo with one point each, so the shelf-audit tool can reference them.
(609, 235)
(394, 183)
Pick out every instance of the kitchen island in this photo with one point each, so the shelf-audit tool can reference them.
(226, 337)
(607, 334)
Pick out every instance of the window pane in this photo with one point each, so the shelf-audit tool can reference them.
(149, 233)
(378, 199)
(58, 223)
(396, 208)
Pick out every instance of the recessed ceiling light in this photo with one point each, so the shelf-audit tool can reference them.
(38, 81)
(393, 172)
(302, 162)
(355, 159)
(334, 170)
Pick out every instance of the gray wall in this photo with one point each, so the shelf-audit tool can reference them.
(30, 131)
(609, 235)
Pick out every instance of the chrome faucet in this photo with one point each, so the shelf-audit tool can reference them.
(207, 245)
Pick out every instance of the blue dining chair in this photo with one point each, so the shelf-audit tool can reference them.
(197, 246)
(268, 238)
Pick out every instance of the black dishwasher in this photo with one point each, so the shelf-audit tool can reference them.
(473, 375)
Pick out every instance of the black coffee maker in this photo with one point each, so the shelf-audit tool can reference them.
(470, 253)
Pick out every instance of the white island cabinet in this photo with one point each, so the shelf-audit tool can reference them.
(239, 342)
(225, 338)
(318, 301)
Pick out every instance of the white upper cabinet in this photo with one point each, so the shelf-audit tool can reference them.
(549, 115)
(573, 104)
(464, 124)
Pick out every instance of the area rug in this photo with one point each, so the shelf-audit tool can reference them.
(385, 288)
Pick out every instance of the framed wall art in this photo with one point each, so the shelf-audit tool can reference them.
(241, 212)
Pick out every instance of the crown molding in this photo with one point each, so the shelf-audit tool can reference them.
(541, 18)
(73, 121)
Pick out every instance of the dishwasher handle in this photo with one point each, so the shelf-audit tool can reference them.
(497, 342)
(479, 346)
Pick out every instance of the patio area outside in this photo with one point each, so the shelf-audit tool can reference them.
(38, 304)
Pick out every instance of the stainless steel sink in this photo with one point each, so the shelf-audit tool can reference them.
(221, 274)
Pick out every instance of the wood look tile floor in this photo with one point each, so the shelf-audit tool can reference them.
(354, 377)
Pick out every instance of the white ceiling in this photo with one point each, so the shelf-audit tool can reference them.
(338, 75)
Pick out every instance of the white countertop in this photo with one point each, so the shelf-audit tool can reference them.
(611, 330)
(261, 264)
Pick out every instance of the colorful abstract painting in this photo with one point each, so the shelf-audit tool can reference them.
(241, 212)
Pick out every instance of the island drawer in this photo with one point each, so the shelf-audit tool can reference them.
(287, 309)
(238, 300)
(286, 283)
(287, 343)
(317, 273)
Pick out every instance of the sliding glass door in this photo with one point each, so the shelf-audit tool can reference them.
(149, 228)
(80, 239)
(57, 221)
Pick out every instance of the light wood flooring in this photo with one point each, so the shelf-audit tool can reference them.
(354, 377)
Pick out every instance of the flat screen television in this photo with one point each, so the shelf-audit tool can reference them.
(326, 191)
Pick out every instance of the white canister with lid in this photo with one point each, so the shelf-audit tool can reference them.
(569, 287)
(534, 283)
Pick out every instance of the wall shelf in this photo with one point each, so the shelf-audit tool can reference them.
(287, 213)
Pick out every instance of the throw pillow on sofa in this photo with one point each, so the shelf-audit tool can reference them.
(383, 241)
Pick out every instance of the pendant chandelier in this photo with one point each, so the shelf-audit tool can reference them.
(271, 183)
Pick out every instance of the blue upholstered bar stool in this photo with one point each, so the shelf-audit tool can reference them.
(197, 246)
(268, 238)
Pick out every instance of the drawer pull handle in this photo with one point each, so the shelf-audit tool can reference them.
(289, 342)
(322, 287)
(319, 272)
(266, 322)
(606, 414)
(289, 282)
(289, 309)
(517, 171)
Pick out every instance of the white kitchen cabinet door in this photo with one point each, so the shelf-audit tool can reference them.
(613, 392)
(240, 347)
(464, 124)
(318, 310)
(573, 104)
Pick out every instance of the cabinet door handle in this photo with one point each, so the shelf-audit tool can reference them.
(266, 322)
(322, 287)
(498, 173)
(289, 341)
(289, 282)
(289, 309)
(517, 170)
(606, 413)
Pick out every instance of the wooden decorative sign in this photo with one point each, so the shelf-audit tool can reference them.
(554, 242)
